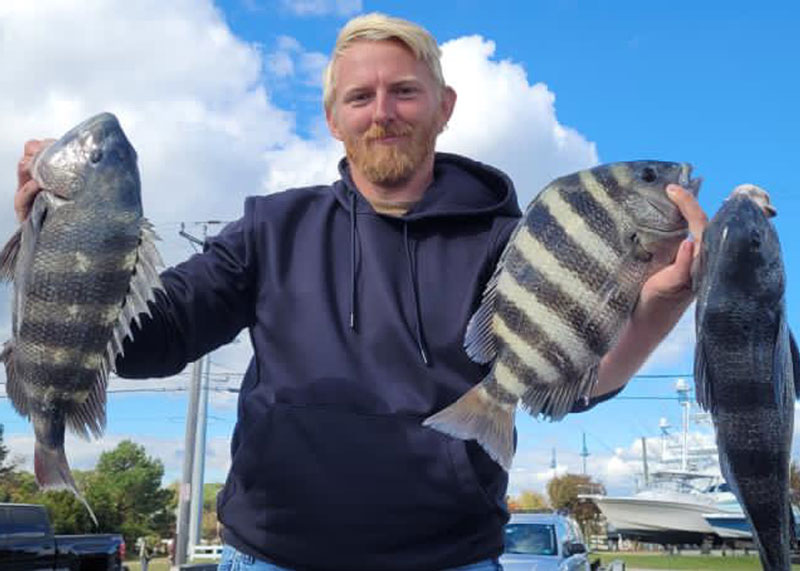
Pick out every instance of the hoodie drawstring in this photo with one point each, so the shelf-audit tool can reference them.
(413, 281)
(411, 276)
(352, 260)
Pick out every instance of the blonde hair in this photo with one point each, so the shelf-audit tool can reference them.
(376, 27)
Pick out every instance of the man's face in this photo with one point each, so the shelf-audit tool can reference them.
(387, 110)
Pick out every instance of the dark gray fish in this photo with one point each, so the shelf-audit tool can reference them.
(561, 293)
(83, 266)
(746, 369)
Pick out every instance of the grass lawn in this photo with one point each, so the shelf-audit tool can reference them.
(698, 562)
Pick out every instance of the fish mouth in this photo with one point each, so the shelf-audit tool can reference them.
(673, 225)
(686, 181)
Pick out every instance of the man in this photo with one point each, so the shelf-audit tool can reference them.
(356, 296)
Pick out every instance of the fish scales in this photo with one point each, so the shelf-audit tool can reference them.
(747, 372)
(564, 286)
(83, 265)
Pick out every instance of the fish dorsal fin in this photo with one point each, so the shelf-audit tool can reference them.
(795, 364)
(144, 282)
(480, 341)
(14, 388)
(784, 363)
(90, 416)
(8, 256)
(703, 384)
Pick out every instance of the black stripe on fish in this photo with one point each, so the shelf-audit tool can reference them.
(755, 463)
(567, 308)
(547, 230)
(80, 287)
(535, 336)
(99, 250)
(609, 182)
(593, 214)
(745, 396)
(65, 335)
(65, 378)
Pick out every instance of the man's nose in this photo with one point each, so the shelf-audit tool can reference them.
(384, 107)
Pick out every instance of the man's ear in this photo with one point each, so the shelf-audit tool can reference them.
(447, 104)
(330, 118)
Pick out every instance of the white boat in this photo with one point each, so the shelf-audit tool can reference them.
(671, 507)
(671, 510)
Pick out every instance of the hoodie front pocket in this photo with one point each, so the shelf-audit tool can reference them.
(325, 466)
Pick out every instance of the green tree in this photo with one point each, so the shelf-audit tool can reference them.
(5, 466)
(564, 492)
(125, 492)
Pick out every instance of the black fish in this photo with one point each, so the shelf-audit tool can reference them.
(747, 370)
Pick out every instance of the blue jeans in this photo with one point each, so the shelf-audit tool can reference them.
(234, 560)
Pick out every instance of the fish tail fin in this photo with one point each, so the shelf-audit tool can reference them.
(50, 464)
(481, 416)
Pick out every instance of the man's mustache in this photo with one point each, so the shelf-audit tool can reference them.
(378, 131)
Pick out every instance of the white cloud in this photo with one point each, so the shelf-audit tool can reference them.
(83, 455)
(323, 7)
(290, 60)
(676, 351)
(502, 119)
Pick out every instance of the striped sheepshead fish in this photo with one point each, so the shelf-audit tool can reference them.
(83, 266)
(564, 287)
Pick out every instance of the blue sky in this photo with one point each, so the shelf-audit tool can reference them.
(223, 100)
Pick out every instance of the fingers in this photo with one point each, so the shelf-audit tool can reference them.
(26, 186)
(691, 211)
(23, 199)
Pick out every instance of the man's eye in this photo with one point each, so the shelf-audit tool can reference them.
(407, 91)
(358, 98)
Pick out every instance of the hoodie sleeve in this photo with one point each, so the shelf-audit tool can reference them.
(207, 301)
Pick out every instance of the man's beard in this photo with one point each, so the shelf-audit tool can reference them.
(391, 165)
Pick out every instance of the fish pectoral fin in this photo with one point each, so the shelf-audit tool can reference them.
(703, 384)
(8, 256)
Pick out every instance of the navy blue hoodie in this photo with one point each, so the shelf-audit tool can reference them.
(357, 322)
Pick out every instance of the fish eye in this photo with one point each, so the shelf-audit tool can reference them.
(96, 156)
(649, 174)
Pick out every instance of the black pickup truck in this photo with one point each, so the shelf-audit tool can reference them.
(27, 543)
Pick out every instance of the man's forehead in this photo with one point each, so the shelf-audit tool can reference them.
(364, 59)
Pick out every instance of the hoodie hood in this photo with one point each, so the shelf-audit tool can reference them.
(460, 187)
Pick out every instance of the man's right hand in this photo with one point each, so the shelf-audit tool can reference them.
(26, 186)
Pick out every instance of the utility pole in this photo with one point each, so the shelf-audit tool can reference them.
(185, 491)
(196, 506)
(584, 453)
(553, 463)
(184, 497)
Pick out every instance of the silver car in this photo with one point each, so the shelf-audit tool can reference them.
(544, 542)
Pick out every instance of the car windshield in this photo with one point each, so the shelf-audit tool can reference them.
(530, 539)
